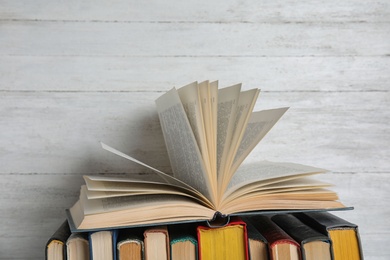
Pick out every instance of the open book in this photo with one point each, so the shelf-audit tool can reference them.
(208, 133)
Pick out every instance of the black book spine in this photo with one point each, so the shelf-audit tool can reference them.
(61, 234)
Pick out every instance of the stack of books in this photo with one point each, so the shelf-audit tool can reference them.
(317, 235)
(208, 133)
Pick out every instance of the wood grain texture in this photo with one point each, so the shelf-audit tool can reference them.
(229, 11)
(69, 125)
(75, 73)
(154, 74)
(53, 38)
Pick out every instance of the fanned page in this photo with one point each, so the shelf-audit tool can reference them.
(192, 97)
(246, 102)
(126, 186)
(227, 106)
(212, 136)
(274, 185)
(260, 123)
(183, 151)
(159, 178)
(262, 173)
(209, 97)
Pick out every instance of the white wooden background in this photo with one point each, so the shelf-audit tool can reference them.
(73, 73)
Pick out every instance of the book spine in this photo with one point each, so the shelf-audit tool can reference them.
(233, 222)
(300, 232)
(271, 231)
(325, 221)
(61, 235)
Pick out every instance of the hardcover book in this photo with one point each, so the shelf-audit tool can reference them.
(314, 245)
(229, 242)
(280, 244)
(56, 245)
(77, 247)
(208, 133)
(344, 235)
(257, 243)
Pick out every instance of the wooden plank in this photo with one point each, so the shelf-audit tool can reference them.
(56, 132)
(49, 126)
(45, 197)
(52, 38)
(32, 208)
(31, 73)
(342, 132)
(198, 11)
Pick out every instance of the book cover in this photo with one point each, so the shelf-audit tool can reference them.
(208, 133)
(346, 244)
(314, 245)
(227, 242)
(257, 243)
(56, 245)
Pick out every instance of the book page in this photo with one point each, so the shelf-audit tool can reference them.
(157, 177)
(260, 123)
(149, 177)
(209, 97)
(99, 194)
(191, 97)
(214, 122)
(103, 186)
(126, 184)
(183, 151)
(92, 194)
(119, 189)
(268, 173)
(246, 102)
(227, 104)
(131, 202)
(275, 186)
